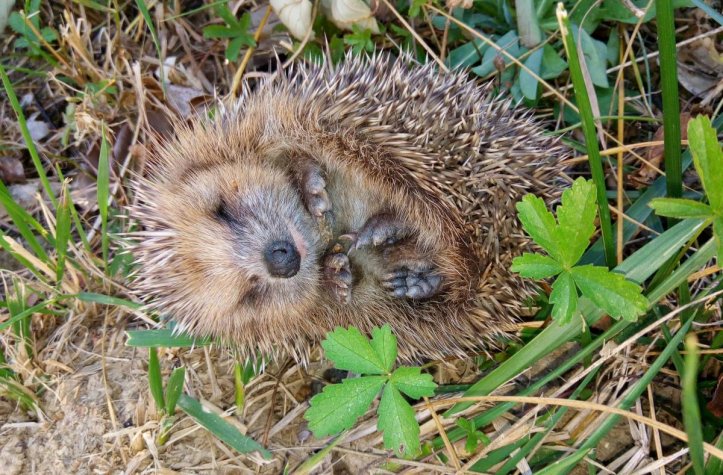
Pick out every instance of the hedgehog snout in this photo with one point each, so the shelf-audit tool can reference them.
(282, 259)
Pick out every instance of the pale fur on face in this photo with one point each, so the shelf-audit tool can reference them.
(221, 218)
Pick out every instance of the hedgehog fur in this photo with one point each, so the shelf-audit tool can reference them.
(243, 217)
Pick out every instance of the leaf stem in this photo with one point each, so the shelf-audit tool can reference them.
(589, 130)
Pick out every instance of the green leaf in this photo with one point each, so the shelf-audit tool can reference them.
(680, 208)
(219, 31)
(350, 350)
(174, 388)
(539, 223)
(103, 190)
(528, 83)
(576, 217)
(155, 380)
(412, 382)
(509, 42)
(62, 231)
(552, 63)
(163, 338)
(565, 465)
(384, 344)
(563, 298)
(338, 406)
(397, 423)
(360, 40)
(467, 426)
(535, 266)
(466, 55)
(691, 409)
(234, 48)
(611, 292)
(105, 300)
(718, 235)
(595, 54)
(708, 159)
(222, 429)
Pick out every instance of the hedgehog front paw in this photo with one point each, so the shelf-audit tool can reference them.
(381, 229)
(419, 282)
(337, 268)
(314, 188)
(337, 271)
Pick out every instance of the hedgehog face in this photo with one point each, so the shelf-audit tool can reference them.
(238, 236)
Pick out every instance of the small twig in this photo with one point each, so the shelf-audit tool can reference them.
(443, 434)
(247, 56)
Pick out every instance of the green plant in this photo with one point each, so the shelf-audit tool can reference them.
(473, 437)
(339, 405)
(165, 400)
(236, 30)
(360, 40)
(565, 241)
(708, 162)
(31, 34)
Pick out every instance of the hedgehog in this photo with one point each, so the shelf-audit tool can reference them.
(376, 191)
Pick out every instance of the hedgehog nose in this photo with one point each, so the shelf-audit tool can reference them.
(282, 259)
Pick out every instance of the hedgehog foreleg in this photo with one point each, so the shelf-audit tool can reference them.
(381, 229)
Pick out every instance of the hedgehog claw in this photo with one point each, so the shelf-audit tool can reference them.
(380, 229)
(337, 270)
(412, 284)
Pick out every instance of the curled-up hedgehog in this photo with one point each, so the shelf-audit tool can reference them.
(377, 191)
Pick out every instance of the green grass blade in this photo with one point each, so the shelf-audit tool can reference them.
(105, 300)
(26, 136)
(689, 400)
(225, 431)
(671, 102)
(103, 192)
(562, 466)
(155, 379)
(163, 338)
(23, 222)
(174, 388)
(589, 130)
(715, 465)
(62, 232)
(24, 314)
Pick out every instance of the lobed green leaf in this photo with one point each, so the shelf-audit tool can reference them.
(398, 424)
(535, 266)
(338, 406)
(611, 292)
(708, 159)
(563, 298)
(350, 350)
(539, 223)
(576, 218)
(412, 382)
(384, 344)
